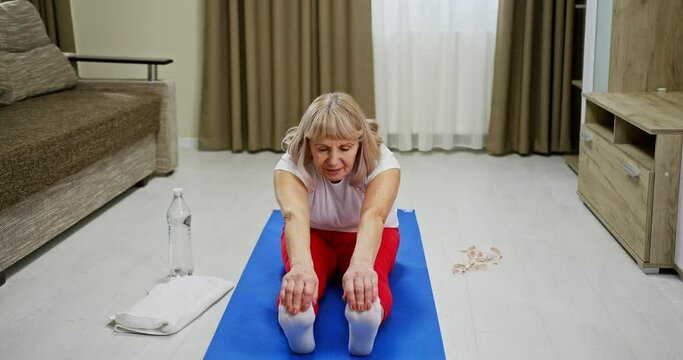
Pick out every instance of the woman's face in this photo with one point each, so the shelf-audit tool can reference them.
(333, 158)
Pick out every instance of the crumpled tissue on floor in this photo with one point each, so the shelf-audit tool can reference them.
(477, 259)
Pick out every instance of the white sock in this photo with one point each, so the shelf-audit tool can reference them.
(298, 329)
(363, 328)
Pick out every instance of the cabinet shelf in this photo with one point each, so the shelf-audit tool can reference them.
(635, 142)
(644, 154)
(601, 129)
(600, 119)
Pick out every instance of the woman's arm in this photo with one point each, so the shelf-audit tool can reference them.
(360, 280)
(299, 287)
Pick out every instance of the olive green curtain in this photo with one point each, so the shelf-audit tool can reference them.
(56, 15)
(530, 105)
(265, 60)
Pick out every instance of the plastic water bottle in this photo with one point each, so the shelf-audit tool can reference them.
(179, 245)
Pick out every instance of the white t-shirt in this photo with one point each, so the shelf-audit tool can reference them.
(337, 206)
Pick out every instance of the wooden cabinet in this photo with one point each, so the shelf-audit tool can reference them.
(629, 161)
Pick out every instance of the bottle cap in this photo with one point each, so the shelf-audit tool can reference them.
(177, 191)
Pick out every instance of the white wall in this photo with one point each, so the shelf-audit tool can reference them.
(588, 52)
(146, 28)
(603, 41)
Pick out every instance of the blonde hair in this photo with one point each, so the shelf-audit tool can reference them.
(336, 116)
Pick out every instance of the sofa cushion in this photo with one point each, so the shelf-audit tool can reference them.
(47, 138)
(22, 28)
(34, 72)
(29, 64)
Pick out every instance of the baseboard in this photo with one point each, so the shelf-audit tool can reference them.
(188, 142)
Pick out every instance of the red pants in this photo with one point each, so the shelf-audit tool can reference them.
(331, 252)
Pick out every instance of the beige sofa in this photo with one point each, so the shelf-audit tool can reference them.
(64, 154)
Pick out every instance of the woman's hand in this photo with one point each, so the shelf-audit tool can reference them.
(299, 288)
(360, 285)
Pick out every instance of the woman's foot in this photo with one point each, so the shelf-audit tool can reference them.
(298, 329)
(363, 328)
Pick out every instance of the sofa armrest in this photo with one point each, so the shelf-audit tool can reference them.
(151, 63)
(167, 137)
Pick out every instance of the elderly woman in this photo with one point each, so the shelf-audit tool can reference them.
(336, 186)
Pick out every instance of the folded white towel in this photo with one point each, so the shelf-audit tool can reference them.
(169, 307)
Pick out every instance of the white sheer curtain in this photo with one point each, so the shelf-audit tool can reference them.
(433, 62)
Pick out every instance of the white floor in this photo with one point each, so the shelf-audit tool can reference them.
(565, 289)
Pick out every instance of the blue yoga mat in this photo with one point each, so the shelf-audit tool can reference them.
(249, 327)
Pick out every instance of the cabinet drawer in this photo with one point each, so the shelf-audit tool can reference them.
(618, 188)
